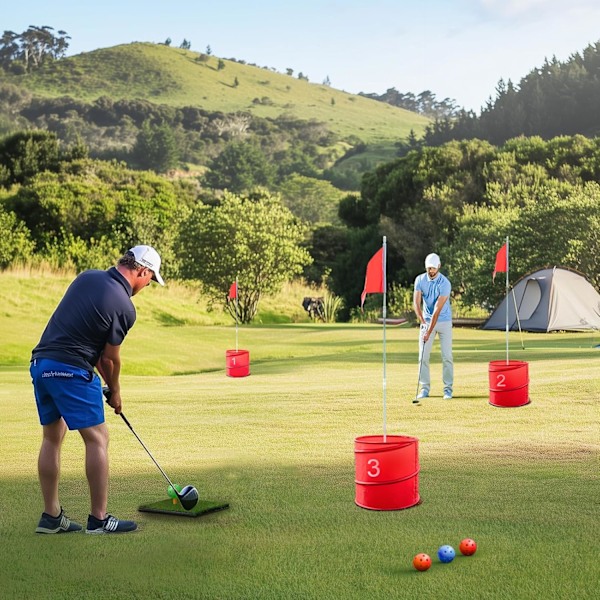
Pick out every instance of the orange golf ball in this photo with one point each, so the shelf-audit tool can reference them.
(468, 547)
(421, 562)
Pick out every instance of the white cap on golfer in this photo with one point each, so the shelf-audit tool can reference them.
(433, 260)
(148, 257)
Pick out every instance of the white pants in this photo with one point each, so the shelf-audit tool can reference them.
(444, 331)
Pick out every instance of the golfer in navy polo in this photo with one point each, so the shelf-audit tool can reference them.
(432, 306)
(85, 333)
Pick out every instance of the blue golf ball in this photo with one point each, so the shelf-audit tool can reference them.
(446, 554)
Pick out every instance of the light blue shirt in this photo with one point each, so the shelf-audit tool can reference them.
(431, 290)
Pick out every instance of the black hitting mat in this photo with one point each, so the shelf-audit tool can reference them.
(167, 507)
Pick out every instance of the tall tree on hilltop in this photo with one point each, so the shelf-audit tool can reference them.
(32, 47)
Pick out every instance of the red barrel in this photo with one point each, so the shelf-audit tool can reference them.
(237, 363)
(387, 473)
(509, 383)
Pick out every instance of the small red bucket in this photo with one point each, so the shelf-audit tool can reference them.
(237, 363)
(509, 383)
(387, 473)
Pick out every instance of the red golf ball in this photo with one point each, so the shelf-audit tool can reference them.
(421, 562)
(468, 547)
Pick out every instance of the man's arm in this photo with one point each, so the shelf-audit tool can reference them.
(109, 367)
(437, 309)
(417, 306)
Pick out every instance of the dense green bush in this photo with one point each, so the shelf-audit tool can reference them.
(16, 244)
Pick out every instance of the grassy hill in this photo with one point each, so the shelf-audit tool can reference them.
(174, 77)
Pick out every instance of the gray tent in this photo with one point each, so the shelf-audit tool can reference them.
(551, 299)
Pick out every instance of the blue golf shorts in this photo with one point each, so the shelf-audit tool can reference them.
(62, 390)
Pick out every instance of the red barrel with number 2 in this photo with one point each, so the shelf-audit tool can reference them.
(509, 383)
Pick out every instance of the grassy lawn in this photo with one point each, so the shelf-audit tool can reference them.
(279, 447)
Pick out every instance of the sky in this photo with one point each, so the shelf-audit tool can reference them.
(457, 49)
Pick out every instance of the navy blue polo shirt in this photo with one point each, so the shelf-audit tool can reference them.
(95, 310)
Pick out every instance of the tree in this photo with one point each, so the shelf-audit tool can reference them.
(32, 47)
(15, 241)
(220, 65)
(255, 239)
(156, 148)
(312, 200)
(186, 44)
(26, 153)
(239, 168)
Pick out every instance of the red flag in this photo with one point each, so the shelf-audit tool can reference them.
(233, 291)
(500, 266)
(374, 276)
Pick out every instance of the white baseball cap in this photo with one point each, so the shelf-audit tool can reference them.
(433, 260)
(148, 257)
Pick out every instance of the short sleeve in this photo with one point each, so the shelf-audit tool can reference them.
(120, 326)
(445, 288)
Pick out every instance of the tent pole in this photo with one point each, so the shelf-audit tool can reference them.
(518, 320)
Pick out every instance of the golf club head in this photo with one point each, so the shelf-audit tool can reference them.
(188, 497)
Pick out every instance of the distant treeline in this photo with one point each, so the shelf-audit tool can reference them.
(555, 99)
(424, 103)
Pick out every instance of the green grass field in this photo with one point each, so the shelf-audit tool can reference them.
(278, 446)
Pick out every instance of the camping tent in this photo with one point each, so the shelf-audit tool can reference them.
(551, 299)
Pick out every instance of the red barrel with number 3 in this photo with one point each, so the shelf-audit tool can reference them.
(509, 383)
(387, 472)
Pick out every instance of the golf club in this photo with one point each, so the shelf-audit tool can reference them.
(188, 496)
(416, 400)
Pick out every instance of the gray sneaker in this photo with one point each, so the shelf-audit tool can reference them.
(109, 525)
(447, 394)
(60, 524)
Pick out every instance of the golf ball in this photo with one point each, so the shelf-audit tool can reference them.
(446, 554)
(171, 492)
(468, 547)
(421, 562)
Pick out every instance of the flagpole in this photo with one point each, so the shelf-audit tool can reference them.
(384, 312)
(507, 293)
(236, 313)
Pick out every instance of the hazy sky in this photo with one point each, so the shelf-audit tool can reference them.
(455, 48)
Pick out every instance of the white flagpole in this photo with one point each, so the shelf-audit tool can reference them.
(507, 292)
(384, 261)
(236, 313)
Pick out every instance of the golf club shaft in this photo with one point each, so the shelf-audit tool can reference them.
(106, 393)
(149, 453)
(421, 352)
